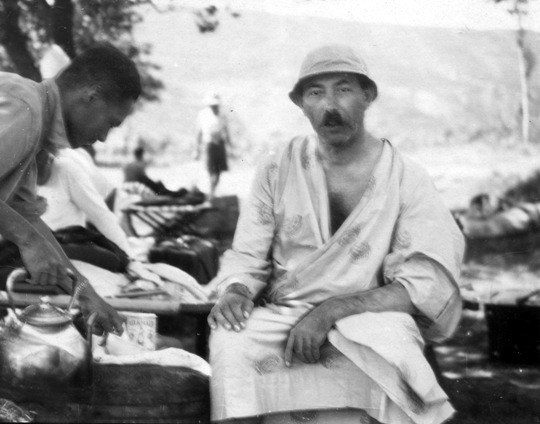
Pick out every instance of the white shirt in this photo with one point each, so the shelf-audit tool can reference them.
(73, 199)
(83, 159)
(211, 127)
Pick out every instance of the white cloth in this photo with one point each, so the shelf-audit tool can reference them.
(104, 282)
(121, 351)
(389, 349)
(73, 199)
(180, 285)
(53, 61)
(81, 157)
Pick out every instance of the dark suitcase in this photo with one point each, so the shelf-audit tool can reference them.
(194, 255)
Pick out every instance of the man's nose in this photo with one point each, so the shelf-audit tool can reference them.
(329, 101)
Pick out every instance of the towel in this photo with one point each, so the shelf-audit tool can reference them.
(388, 347)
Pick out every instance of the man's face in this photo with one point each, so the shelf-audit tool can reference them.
(91, 119)
(335, 105)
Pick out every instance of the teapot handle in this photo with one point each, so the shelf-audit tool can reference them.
(23, 274)
(17, 274)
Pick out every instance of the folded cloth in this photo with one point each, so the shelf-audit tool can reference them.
(179, 284)
(177, 277)
(105, 283)
(388, 347)
(121, 351)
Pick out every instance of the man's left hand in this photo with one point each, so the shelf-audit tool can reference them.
(306, 338)
(107, 319)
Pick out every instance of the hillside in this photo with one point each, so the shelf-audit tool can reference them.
(436, 85)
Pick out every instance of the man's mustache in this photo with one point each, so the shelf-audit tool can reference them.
(332, 118)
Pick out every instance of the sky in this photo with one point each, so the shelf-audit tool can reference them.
(464, 14)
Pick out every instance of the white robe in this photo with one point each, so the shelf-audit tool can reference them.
(400, 231)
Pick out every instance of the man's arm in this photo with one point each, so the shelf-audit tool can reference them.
(421, 271)
(41, 259)
(245, 268)
(310, 333)
(47, 264)
(227, 135)
(198, 144)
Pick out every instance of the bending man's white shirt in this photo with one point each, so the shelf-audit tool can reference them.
(72, 199)
(400, 231)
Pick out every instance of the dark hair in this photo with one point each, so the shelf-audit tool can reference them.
(108, 69)
(138, 152)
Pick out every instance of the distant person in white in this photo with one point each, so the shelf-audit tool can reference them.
(54, 59)
(74, 196)
(213, 133)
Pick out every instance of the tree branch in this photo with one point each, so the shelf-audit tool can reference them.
(15, 41)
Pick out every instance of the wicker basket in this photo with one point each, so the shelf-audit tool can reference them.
(128, 394)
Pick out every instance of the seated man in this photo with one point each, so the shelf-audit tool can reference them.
(348, 250)
(135, 171)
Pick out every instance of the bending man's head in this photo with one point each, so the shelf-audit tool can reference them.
(97, 92)
(334, 90)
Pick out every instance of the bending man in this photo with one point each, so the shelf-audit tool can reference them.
(91, 95)
(352, 253)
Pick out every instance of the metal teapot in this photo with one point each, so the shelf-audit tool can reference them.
(41, 347)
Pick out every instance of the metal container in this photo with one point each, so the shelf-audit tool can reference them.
(41, 351)
(514, 331)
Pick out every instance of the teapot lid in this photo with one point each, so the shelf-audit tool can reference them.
(44, 314)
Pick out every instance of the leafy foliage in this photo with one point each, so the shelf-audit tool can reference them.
(77, 24)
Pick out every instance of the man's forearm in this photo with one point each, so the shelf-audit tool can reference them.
(14, 227)
(392, 297)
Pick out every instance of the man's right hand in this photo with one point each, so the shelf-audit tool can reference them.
(45, 265)
(232, 309)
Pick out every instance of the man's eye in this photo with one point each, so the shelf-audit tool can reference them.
(314, 92)
(345, 89)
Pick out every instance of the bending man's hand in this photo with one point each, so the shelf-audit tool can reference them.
(232, 309)
(307, 337)
(106, 318)
(45, 265)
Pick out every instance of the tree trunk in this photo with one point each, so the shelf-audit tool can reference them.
(15, 41)
(524, 83)
(62, 26)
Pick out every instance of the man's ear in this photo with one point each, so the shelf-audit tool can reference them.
(369, 94)
(89, 94)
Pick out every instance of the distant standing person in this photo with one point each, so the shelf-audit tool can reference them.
(212, 132)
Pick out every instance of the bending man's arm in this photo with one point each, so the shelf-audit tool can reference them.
(42, 260)
(47, 264)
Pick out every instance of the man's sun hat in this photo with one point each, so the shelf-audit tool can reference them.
(329, 59)
(212, 99)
